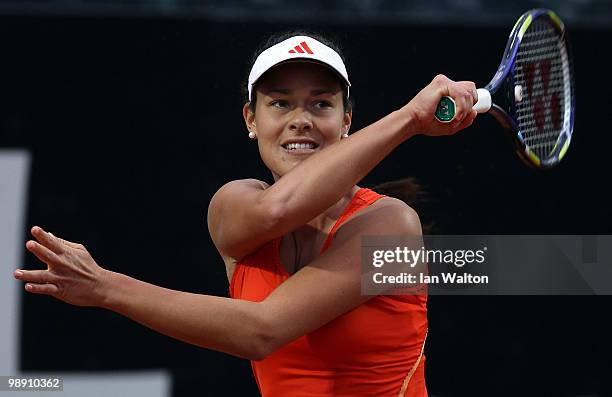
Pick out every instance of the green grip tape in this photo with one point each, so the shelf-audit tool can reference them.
(445, 112)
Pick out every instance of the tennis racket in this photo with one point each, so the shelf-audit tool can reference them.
(536, 90)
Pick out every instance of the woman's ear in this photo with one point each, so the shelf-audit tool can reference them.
(348, 117)
(249, 120)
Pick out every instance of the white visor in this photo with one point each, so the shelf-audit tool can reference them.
(298, 48)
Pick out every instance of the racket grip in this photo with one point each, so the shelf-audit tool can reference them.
(445, 113)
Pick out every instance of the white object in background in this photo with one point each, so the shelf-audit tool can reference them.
(14, 171)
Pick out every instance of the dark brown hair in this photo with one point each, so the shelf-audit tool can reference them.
(410, 191)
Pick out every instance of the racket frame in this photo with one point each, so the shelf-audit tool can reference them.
(504, 78)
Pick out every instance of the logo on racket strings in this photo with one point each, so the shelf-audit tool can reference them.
(540, 108)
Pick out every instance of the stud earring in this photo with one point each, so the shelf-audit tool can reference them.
(345, 135)
(252, 135)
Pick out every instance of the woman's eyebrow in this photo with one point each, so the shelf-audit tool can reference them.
(314, 92)
(320, 91)
(284, 91)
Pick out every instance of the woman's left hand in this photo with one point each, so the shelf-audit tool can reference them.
(71, 276)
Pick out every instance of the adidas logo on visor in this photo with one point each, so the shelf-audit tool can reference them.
(300, 49)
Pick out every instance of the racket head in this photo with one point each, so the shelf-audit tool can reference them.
(539, 114)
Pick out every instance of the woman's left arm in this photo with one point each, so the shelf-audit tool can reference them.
(318, 293)
(228, 325)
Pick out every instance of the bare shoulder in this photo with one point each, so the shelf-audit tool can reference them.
(386, 216)
(239, 189)
(239, 185)
(392, 205)
(224, 206)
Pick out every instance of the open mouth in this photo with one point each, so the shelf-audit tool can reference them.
(299, 146)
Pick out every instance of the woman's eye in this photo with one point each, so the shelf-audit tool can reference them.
(323, 104)
(279, 104)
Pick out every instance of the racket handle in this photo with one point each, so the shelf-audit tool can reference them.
(445, 113)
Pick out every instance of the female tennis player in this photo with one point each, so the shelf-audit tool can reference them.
(291, 249)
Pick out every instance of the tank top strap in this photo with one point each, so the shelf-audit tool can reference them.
(363, 198)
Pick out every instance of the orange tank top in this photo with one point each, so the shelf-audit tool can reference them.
(373, 350)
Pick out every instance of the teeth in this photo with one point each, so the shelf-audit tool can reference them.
(294, 146)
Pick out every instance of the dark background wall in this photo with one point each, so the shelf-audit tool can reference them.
(134, 123)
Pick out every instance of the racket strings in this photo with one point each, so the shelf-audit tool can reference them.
(540, 70)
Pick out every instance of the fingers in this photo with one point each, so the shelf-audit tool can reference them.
(464, 94)
(38, 281)
(468, 120)
(48, 240)
(61, 241)
(66, 242)
(471, 88)
(43, 253)
(43, 289)
(36, 276)
(70, 243)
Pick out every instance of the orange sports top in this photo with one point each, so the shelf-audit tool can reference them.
(373, 350)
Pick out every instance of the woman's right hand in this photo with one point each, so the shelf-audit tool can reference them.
(423, 106)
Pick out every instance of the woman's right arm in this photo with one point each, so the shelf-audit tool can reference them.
(245, 214)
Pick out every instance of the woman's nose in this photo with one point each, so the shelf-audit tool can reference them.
(301, 121)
